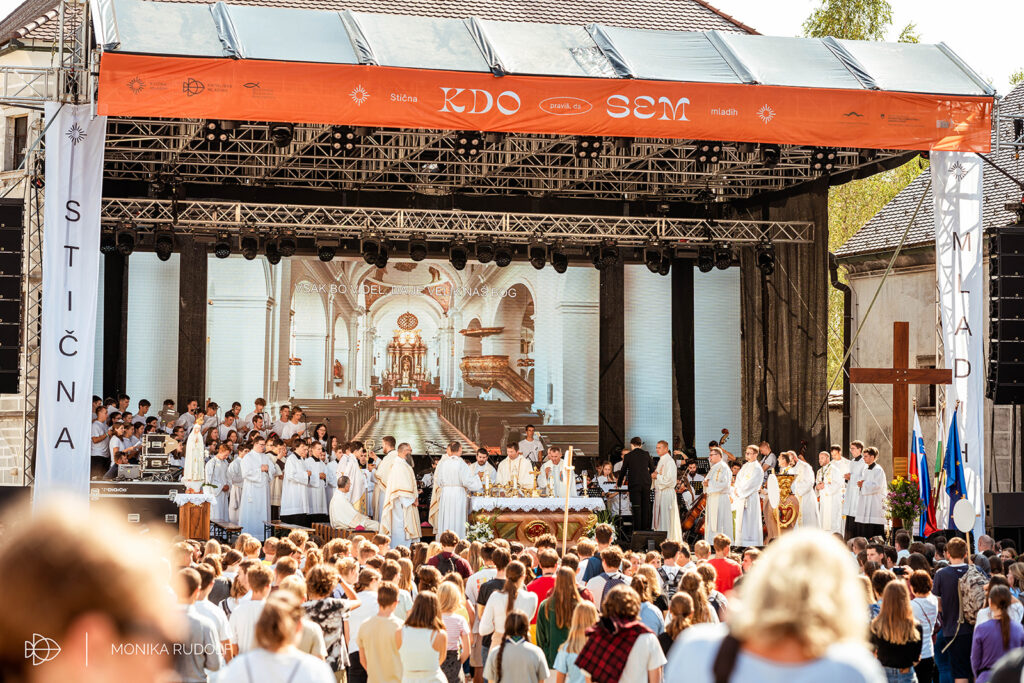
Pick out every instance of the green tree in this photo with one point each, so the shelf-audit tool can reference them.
(853, 204)
(1017, 77)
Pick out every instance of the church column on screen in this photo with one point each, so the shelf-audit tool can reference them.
(573, 358)
(445, 348)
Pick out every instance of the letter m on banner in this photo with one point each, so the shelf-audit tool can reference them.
(71, 258)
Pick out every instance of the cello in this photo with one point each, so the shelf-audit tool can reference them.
(694, 520)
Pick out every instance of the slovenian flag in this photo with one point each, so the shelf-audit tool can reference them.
(953, 469)
(919, 468)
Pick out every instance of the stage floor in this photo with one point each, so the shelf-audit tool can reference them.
(417, 424)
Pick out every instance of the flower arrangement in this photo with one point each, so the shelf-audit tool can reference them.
(482, 530)
(903, 501)
(602, 517)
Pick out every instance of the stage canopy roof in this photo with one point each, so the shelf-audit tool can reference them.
(248, 63)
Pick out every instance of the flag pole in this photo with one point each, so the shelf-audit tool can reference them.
(569, 488)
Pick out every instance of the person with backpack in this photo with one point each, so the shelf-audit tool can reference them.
(960, 588)
(611, 563)
(447, 561)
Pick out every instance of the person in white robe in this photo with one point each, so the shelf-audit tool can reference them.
(750, 531)
(348, 466)
(870, 516)
(666, 506)
(294, 499)
(400, 519)
(556, 476)
(236, 480)
(370, 480)
(332, 477)
(830, 494)
(840, 468)
(856, 469)
(195, 459)
(383, 473)
(482, 469)
(253, 513)
(718, 512)
(275, 458)
(317, 484)
(803, 489)
(220, 485)
(343, 515)
(515, 469)
(449, 498)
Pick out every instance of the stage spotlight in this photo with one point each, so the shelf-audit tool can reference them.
(369, 247)
(222, 247)
(286, 244)
(468, 144)
(538, 254)
(250, 246)
(458, 255)
(217, 132)
(866, 156)
(382, 256)
(484, 250)
(823, 159)
(417, 248)
(765, 257)
(125, 238)
(708, 152)
(344, 139)
(163, 244)
(652, 257)
(327, 248)
(705, 259)
(723, 256)
(503, 255)
(666, 262)
(108, 243)
(588, 147)
(282, 134)
(771, 155)
(605, 255)
(559, 259)
(273, 253)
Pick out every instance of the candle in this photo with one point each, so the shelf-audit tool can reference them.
(585, 484)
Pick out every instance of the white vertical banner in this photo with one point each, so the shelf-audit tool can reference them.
(957, 188)
(71, 257)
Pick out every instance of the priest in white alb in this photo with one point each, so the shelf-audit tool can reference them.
(750, 532)
(343, 515)
(400, 519)
(383, 471)
(515, 468)
(348, 466)
(236, 480)
(853, 475)
(449, 497)
(666, 506)
(830, 494)
(803, 489)
(555, 474)
(870, 515)
(255, 482)
(483, 470)
(194, 473)
(718, 512)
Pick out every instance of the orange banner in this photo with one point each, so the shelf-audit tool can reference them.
(250, 90)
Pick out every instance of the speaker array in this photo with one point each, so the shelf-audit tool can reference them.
(1006, 315)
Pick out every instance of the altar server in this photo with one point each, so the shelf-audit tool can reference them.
(852, 490)
(748, 488)
(718, 513)
(348, 466)
(236, 480)
(830, 494)
(449, 497)
(343, 515)
(803, 488)
(872, 485)
(515, 468)
(317, 484)
(217, 477)
(556, 476)
(666, 506)
(400, 519)
(331, 465)
(380, 493)
(252, 513)
(483, 470)
(294, 499)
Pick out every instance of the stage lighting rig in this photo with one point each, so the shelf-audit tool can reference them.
(503, 254)
(382, 255)
(559, 259)
(458, 255)
(108, 242)
(250, 245)
(658, 258)
(484, 250)
(823, 159)
(281, 134)
(327, 247)
(866, 156)
(344, 139)
(369, 247)
(126, 238)
(273, 253)
(417, 248)
(222, 245)
(605, 255)
(705, 258)
(286, 244)
(588, 147)
(723, 256)
(771, 155)
(538, 254)
(163, 244)
(468, 144)
(217, 132)
(765, 257)
(708, 152)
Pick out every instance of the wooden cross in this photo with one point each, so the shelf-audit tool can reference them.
(900, 376)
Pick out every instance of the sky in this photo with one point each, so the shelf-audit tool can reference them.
(985, 33)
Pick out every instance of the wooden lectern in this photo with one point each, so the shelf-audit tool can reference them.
(194, 521)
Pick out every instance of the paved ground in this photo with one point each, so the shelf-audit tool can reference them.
(418, 424)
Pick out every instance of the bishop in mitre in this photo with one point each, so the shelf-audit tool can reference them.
(400, 519)
(515, 468)
(718, 513)
(195, 460)
(803, 488)
(748, 490)
(449, 499)
(556, 474)
(666, 505)
(343, 514)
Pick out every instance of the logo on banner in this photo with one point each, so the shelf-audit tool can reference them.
(75, 133)
(957, 170)
(855, 113)
(136, 85)
(565, 106)
(766, 114)
(41, 649)
(359, 95)
(192, 87)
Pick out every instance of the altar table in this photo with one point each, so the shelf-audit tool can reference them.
(527, 519)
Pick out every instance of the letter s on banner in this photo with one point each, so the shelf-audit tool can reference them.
(74, 172)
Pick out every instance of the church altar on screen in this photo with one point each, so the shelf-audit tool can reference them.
(525, 519)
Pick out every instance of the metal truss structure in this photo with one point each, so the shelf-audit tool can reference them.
(425, 162)
(344, 222)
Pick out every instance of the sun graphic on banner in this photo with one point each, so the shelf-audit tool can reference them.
(136, 85)
(75, 133)
(359, 94)
(958, 170)
(766, 114)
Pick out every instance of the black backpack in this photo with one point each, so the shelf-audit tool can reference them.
(671, 584)
(610, 583)
(445, 564)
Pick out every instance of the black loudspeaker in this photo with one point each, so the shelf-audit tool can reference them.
(1006, 315)
(1004, 509)
(10, 296)
(642, 541)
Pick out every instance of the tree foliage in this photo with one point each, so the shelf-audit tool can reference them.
(850, 19)
(1017, 77)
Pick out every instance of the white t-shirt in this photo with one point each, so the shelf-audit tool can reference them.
(926, 611)
(216, 616)
(360, 615)
(276, 667)
(139, 419)
(493, 619)
(100, 449)
(243, 623)
(985, 614)
(115, 442)
(290, 429)
(694, 652)
(645, 655)
(531, 449)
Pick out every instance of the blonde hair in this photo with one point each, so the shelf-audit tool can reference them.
(448, 597)
(693, 585)
(295, 585)
(702, 549)
(278, 621)
(583, 617)
(433, 549)
(895, 622)
(815, 601)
